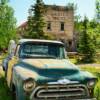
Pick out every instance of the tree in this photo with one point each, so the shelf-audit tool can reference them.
(36, 22)
(86, 45)
(7, 24)
(98, 10)
(94, 31)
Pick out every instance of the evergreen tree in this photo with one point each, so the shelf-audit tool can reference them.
(98, 10)
(86, 44)
(7, 24)
(36, 22)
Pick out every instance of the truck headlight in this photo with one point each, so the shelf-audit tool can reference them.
(91, 83)
(29, 85)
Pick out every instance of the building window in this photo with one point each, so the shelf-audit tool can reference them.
(70, 43)
(49, 26)
(62, 26)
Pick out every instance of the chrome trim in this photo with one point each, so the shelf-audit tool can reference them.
(47, 89)
(64, 82)
(86, 99)
(39, 94)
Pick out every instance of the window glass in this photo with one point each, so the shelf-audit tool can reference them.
(49, 26)
(42, 50)
(62, 26)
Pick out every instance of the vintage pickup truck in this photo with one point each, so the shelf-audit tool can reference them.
(39, 70)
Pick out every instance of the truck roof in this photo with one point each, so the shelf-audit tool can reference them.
(39, 40)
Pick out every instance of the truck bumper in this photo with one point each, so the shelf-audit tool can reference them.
(67, 99)
(87, 99)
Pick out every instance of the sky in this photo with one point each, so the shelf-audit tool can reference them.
(84, 7)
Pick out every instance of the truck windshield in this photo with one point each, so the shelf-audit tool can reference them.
(42, 50)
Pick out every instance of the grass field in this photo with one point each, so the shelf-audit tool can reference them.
(4, 91)
(5, 94)
(96, 72)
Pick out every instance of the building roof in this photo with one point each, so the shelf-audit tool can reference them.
(57, 7)
(23, 24)
(39, 40)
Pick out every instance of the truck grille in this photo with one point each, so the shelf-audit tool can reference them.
(61, 92)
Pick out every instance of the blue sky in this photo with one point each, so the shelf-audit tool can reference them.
(85, 7)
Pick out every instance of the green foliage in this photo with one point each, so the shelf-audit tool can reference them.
(98, 10)
(4, 1)
(86, 46)
(93, 28)
(94, 31)
(7, 24)
(36, 22)
(96, 71)
(97, 90)
(71, 6)
(5, 94)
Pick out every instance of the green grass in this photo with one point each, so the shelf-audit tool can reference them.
(5, 94)
(91, 69)
(75, 60)
(97, 90)
(96, 72)
(4, 91)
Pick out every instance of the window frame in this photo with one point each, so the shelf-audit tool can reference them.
(62, 26)
(49, 28)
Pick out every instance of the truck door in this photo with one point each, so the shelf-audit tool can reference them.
(11, 64)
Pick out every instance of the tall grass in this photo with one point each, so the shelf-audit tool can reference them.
(97, 90)
(5, 94)
(95, 71)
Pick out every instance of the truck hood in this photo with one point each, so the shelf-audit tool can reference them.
(44, 70)
(53, 68)
(50, 63)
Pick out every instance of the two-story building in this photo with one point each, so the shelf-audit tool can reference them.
(60, 23)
